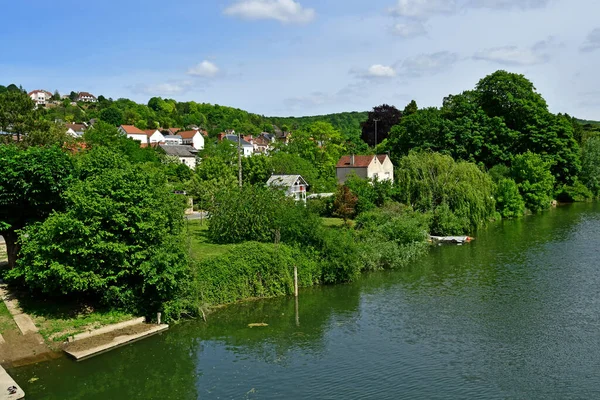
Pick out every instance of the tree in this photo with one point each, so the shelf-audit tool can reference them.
(73, 96)
(410, 108)
(117, 240)
(31, 184)
(458, 194)
(590, 170)
(112, 115)
(45, 133)
(387, 116)
(16, 112)
(56, 96)
(535, 180)
(344, 205)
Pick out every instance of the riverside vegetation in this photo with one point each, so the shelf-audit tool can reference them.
(99, 222)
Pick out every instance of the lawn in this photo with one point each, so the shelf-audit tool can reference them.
(334, 222)
(58, 319)
(200, 246)
(7, 322)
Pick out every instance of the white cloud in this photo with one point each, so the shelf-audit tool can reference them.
(539, 53)
(284, 11)
(408, 29)
(205, 69)
(592, 41)
(422, 9)
(428, 64)
(381, 71)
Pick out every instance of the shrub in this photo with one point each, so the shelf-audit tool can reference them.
(577, 192)
(427, 181)
(590, 165)
(535, 180)
(509, 201)
(251, 270)
(118, 241)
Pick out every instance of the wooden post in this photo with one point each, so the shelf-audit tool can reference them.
(297, 314)
(158, 315)
(295, 281)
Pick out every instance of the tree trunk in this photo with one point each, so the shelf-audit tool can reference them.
(12, 247)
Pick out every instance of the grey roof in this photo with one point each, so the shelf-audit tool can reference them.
(285, 181)
(234, 139)
(172, 136)
(268, 136)
(177, 150)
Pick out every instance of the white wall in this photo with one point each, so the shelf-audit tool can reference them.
(198, 141)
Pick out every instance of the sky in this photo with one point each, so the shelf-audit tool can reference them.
(303, 57)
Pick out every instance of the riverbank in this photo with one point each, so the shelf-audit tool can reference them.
(511, 315)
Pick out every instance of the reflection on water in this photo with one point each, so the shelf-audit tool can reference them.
(512, 315)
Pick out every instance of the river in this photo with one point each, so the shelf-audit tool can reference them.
(515, 314)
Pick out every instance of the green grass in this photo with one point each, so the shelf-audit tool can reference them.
(7, 322)
(58, 319)
(334, 222)
(200, 246)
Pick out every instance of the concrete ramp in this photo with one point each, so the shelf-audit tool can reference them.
(96, 344)
(9, 390)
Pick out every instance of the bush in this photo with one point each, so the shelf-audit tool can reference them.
(118, 242)
(427, 181)
(535, 180)
(509, 201)
(577, 192)
(341, 261)
(590, 165)
(321, 206)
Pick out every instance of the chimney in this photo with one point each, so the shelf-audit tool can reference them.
(352, 159)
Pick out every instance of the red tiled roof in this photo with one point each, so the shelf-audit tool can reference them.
(174, 130)
(86, 94)
(130, 129)
(187, 134)
(381, 157)
(359, 162)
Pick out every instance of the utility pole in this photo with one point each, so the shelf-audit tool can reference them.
(376, 121)
(239, 159)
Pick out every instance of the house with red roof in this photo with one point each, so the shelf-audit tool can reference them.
(372, 167)
(144, 137)
(194, 137)
(86, 97)
(40, 97)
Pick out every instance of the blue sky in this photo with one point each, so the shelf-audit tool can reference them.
(303, 57)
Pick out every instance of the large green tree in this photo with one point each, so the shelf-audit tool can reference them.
(386, 116)
(117, 240)
(32, 182)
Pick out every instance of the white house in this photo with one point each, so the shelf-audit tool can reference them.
(294, 185)
(373, 167)
(247, 148)
(154, 136)
(40, 97)
(134, 133)
(193, 137)
(181, 152)
(86, 97)
(172, 140)
(75, 130)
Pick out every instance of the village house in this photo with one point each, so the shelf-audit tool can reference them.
(263, 143)
(134, 133)
(172, 140)
(247, 148)
(180, 152)
(373, 167)
(294, 185)
(40, 97)
(76, 130)
(195, 138)
(154, 136)
(86, 97)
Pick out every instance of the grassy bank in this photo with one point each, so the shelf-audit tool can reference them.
(336, 253)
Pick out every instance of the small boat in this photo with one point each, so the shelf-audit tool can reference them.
(451, 239)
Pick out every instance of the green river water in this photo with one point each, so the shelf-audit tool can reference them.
(513, 315)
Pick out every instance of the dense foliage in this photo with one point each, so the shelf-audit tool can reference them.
(118, 239)
(459, 195)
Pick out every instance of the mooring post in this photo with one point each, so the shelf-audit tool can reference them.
(158, 315)
(295, 281)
